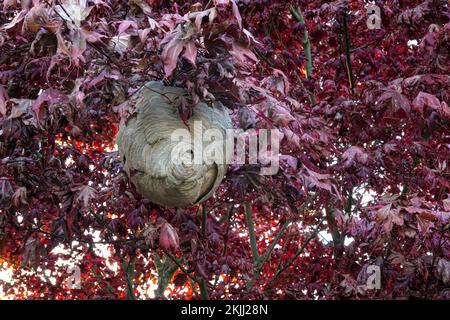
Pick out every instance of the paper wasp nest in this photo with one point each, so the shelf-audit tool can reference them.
(147, 149)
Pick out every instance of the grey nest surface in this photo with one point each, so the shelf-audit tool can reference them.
(147, 149)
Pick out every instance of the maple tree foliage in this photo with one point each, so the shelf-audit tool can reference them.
(364, 155)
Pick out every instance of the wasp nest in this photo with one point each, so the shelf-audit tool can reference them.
(151, 157)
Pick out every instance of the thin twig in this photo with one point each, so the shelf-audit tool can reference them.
(203, 289)
(251, 231)
(230, 213)
(347, 52)
(298, 253)
(100, 279)
(193, 278)
(128, 267)
(266, 255)
(297, 13)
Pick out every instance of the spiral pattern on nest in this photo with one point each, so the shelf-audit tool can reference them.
(146, 149)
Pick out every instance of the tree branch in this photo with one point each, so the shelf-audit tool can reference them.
(297, 13)
(298, 253)
(347, 51)
(251, 232)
